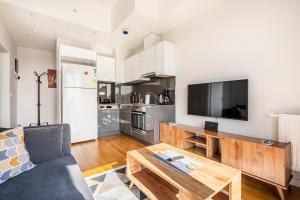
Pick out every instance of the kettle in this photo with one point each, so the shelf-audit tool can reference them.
(148, 98)
(160, 99)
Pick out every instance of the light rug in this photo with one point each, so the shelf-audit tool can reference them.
(113, 185)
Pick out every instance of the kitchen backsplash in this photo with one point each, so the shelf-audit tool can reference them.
(155, 86)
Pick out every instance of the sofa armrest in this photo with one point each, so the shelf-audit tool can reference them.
(47, 142)
(66, 140)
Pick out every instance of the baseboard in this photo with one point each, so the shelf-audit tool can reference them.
(296, 179)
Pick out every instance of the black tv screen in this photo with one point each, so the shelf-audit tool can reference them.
(228, 99)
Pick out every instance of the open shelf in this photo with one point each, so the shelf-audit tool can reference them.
(201, 141)
(216, 157)
(197, 150)
(153, 186)
(157, 188)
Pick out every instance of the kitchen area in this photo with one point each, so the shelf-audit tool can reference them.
(133, 105)
(137, 113)
(145, 99)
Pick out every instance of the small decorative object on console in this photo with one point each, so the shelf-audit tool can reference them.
(268, 142)
(211, 126)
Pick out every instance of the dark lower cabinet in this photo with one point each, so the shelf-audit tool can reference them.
(149, 137)
(125, 120)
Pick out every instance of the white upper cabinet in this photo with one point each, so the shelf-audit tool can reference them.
(106, 69)
(165, 59)
(157, 60)
(148, 61)
(127, 69)
(74, 53)
(132, 68)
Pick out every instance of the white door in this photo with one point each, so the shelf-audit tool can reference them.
(80, 111)
(79, 76)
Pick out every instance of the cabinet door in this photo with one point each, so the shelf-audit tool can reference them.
(263, 161)
(106, 69)
(75, 52)
(150, 137)
(125, 121)
(165, 59)
(132, 68)
(232, 152)
(127, 69)
(135, 69)
(168, 134)
(148, 61)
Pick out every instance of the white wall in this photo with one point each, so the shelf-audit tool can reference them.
(8, 94)
(254, 39)
(4, 90)
(31, 60)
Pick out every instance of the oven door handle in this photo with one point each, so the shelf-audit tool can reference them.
(137, 113)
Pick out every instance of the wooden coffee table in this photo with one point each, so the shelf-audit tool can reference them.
(159, 181)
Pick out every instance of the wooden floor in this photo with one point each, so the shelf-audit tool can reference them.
(107, 152)
(110, 152)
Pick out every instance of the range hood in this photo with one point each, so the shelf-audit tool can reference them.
(149, 75)
(154, 75)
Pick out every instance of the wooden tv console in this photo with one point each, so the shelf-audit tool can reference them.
(271, 164)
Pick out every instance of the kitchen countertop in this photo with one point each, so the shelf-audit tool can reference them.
(142, 104)
(112, 105)
(107, 104)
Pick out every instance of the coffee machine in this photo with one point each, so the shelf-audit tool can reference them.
(166, 97)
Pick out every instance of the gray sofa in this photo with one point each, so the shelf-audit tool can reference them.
(56, 175)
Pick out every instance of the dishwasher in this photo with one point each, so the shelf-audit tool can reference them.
(108, 120)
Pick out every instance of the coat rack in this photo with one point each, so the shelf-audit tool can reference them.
(39, 99)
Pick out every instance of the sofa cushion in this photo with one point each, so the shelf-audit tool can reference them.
(14, 158)
(58, 179)
(44, 143)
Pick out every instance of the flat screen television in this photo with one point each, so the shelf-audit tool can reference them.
(227, 99)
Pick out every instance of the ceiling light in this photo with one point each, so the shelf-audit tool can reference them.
(94, 32)
(125, 31)
(34, 30)
(74, 10)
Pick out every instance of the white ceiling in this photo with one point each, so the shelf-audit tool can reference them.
(39, 31)
(38, 24)
(95, 14)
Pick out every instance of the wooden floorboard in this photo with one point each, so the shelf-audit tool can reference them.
(110, 152)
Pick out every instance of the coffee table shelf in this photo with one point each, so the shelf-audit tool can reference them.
(153, 186)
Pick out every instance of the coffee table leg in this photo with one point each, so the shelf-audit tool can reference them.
(235, 188)
(131, 185)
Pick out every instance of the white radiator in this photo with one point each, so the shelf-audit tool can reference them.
(289, 131)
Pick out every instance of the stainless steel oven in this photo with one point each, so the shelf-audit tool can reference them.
(138, 120)
(141, 122)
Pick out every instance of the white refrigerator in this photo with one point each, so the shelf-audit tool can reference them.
(79, 101)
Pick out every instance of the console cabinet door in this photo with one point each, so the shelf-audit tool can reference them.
(175, 136)
(168, 134)
(266, 162)
(263, 161)
(232, 152)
